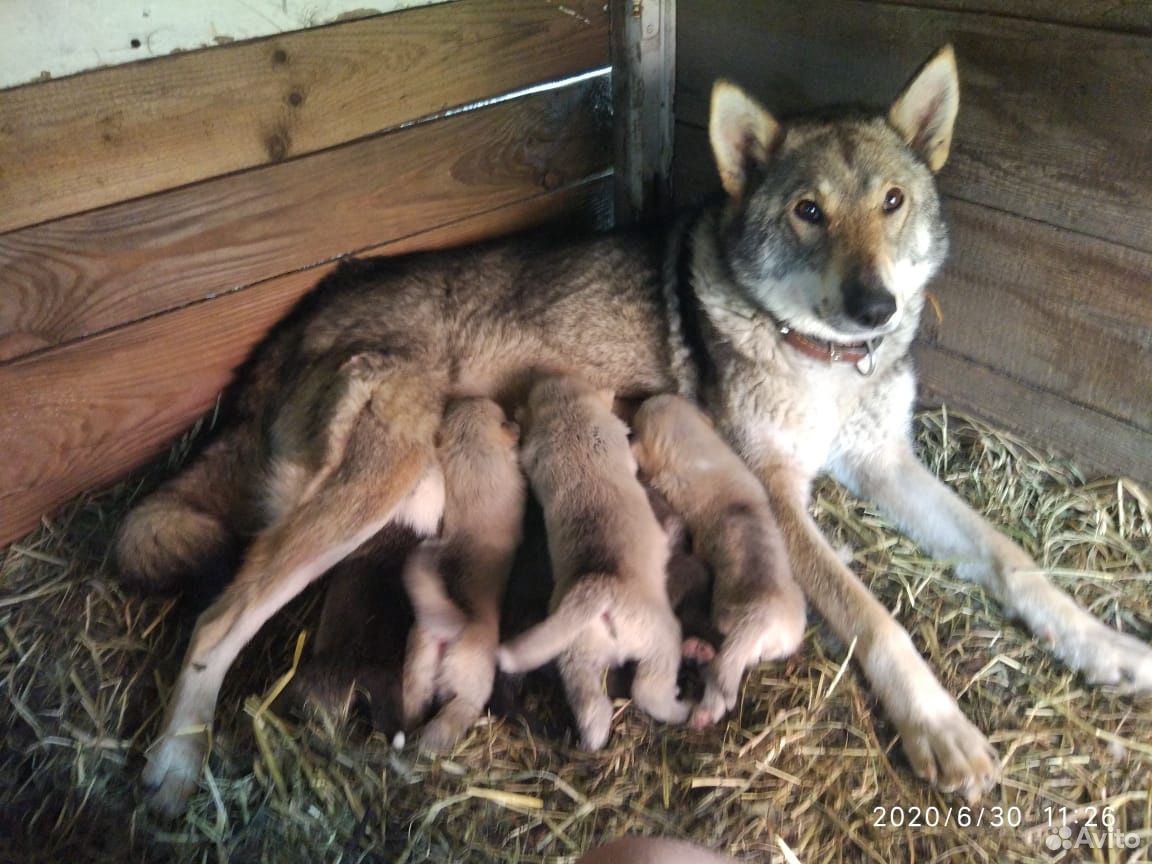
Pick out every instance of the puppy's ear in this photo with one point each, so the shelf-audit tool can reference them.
(742, 134)
(639, 451)
(607, 397)
(925, 112)
(511, 430)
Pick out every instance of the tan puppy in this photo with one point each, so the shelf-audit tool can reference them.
(653, 850)
(608, 560)
(756, 605)
(452, 648)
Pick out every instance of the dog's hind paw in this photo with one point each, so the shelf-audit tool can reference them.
(173, 772)
(952, 754)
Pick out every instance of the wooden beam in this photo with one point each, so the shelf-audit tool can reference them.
(77, 417)
(95, 139)
(79, 275)
(643, 79)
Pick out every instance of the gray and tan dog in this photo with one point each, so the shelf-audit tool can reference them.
(756, 605)
(609, 554)
(456, 582)
(787, 310)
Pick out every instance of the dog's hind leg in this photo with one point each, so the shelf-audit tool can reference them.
(583, 675)
(387, 450)
(654, 688)
(952, 531)
(941, 743)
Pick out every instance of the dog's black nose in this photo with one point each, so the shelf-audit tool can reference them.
(868, 305)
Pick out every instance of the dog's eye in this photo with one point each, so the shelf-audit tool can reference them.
(893, 200)
(809, 211)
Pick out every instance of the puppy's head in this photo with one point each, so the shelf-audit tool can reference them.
(833, 225)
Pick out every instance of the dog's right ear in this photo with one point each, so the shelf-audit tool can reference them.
(742, 133)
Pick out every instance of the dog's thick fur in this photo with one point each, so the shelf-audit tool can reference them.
(756, 605)
(830, 229)
(609, 555)
(456, 582)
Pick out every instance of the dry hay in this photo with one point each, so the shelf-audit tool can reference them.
(798, 770)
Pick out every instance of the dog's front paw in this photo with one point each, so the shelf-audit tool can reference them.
(173, 771)
(1107, 656)
(951, 753)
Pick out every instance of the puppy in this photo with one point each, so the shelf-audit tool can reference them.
(456, 583)
(756, 605)
(653, 850)
(608, 560)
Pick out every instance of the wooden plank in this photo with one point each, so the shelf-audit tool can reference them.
(1071, 315)
(1098, 444)
(82, 274)
(77, 417)
(120, 133)
(1053, 120)
(1125, 17)
(53, 38)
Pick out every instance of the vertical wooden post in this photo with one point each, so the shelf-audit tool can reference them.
(643, 80)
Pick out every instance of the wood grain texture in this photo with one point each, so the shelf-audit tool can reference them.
(80, 416)
(111, 135)
(1125, 16)
(1053, 120)
(79, 275)
(1099, 445)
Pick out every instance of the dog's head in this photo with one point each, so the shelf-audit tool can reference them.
(833, 226)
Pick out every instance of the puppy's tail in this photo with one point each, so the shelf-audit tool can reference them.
(424, 580)
(180, 536)
(588, 602)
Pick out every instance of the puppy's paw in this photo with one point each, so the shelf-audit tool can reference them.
(595, 722)
(953, 754)
(709, 711)
(173, 771)
(697, 650)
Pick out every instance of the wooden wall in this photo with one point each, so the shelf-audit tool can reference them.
(1047, 297)
(157, 218)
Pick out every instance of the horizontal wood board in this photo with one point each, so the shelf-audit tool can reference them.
(1099, 444)
(82, 274)
(1054, 120)
(1126, 16)
(80, 416)
(111, 135)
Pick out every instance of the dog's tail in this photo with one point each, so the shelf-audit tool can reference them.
(183, 534)
(436, 612)
(589, 601)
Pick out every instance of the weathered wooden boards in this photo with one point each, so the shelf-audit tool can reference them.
(120, 325)
(1047, 296)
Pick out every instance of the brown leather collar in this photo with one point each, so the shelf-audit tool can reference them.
(830, 352)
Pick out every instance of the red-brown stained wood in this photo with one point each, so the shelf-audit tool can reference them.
(1100, 444)
(1054, 120)
(80, 416)
(82, 274)
(114, 134)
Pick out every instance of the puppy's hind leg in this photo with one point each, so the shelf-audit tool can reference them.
(583, 676)
(654, 688)
(466, 677)
(387, 450)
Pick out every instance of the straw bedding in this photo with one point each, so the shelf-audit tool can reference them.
(796, 774)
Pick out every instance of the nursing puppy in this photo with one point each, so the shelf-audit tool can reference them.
(756, 605)
(608, 554)
(456, 583)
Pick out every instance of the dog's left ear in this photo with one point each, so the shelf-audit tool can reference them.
(742, 134)
(926, 111)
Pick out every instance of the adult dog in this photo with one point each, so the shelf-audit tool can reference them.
(787, 310)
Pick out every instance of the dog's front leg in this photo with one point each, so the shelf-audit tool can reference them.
(942, 745)
(911, 496)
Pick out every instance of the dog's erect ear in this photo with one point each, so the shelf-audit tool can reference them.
(926, 111)
(742, 133)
